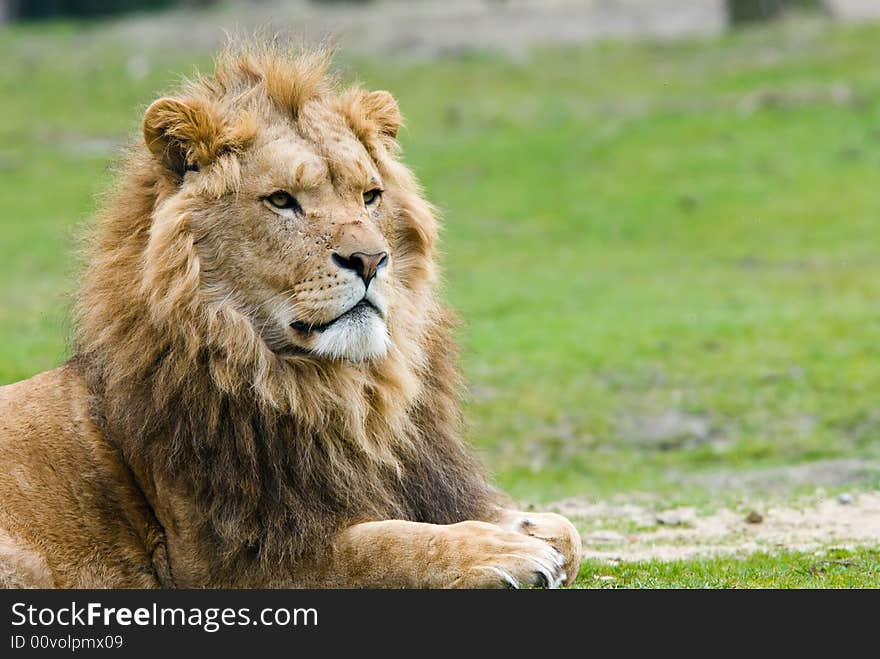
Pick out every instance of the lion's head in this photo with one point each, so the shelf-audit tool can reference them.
(290, 193)
(266, 219)
(258, 320)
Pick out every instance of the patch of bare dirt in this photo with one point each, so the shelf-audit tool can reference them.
(437, 28)
(632, 532)
(854, 10)
(822, 473)
(668, 430)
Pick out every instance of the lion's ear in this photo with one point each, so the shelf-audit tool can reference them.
(371, 113)
(181, 135)
(381, 108)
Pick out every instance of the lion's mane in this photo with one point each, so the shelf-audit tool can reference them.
(277, 452)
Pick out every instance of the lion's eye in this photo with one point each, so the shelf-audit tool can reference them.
(372, 196)
(283, 201)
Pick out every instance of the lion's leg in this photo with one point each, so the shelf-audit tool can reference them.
(401, 554)
(553, 529)
(21, 566)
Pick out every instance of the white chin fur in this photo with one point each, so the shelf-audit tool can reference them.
(358, 338)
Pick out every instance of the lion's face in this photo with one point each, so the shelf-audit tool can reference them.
(295, 231)
(301, 242)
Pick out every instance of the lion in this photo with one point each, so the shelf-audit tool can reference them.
(263, 390)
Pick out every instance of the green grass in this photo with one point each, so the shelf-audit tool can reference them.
(623, 241)
(836, 568)
(631, 231)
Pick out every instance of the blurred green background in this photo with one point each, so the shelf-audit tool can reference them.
(664, 250)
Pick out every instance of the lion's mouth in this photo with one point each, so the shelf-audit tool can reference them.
(358, 308)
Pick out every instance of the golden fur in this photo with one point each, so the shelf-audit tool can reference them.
(238, 445)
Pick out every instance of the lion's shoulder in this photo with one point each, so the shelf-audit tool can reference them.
(68, 500)
(40, 399)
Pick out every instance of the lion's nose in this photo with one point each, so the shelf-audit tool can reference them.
(365, 265)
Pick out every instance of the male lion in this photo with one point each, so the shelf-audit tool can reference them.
(263, 391)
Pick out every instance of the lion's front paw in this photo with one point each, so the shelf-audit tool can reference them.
(481, 555)
(553, 529)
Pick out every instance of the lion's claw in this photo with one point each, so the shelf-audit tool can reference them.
(496, 558)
